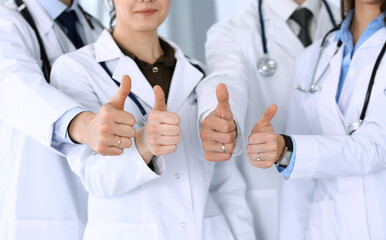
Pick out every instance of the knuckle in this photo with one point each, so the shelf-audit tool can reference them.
(226, 128)
(129, 143)
(228, 138)
(231, 148)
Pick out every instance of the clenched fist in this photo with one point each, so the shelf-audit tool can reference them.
(218, 132)
(109, 131)
(161, 133)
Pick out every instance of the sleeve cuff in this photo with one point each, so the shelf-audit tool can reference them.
(60, 133)
(286, 172)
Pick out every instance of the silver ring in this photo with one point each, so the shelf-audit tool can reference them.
(223, 148)
(258, 157)
(119, 141)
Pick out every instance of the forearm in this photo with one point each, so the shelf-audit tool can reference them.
(112, 176)
(342, 156)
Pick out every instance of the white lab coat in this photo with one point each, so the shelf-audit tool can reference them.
(338, 190)
(186, 197)
(40, 198)
(233, 50)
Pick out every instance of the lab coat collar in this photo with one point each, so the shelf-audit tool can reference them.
(184, 81)
(273, 23)
(106, 48)
(43, 21)
(55, 7)
(285, 8)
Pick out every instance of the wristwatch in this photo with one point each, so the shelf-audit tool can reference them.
(285, 159)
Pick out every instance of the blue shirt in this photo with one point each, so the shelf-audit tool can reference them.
(55, 7)
(346, 37)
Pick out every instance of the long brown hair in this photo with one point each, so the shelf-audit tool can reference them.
(347, 5)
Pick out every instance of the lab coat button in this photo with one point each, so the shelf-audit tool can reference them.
(353, 74)
(177, 176)
(183, 225)
(384, 91)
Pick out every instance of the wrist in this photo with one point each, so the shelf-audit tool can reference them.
(141, 146)
(77, 129)
(281, 147)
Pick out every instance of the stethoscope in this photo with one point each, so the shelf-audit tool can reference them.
(46, 68)
(314, 86)
(131, 95)
(266, 65)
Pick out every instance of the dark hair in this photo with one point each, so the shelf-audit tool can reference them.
(113, 14)
(347, 5)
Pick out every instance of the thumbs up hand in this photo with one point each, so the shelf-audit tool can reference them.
(161, 134)
(107, 132)
(218, 132)
(265, 147)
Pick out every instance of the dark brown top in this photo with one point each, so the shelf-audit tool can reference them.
(161, 72)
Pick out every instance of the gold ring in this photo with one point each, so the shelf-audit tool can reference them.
(119, 141)
(223, 148)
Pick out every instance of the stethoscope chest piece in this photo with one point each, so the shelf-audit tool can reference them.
(353, 127)
(266, 66)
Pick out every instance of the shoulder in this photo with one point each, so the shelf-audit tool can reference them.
(238, 26)
(93, 22)
(81, 60)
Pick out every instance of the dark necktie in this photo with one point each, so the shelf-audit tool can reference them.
(68, 21)
(302, 16)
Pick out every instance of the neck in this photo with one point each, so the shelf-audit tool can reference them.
(364, 14)
(67, 2)
(300, 2)
(144, 45)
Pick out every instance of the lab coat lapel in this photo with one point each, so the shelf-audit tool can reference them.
(43, 22)
(139, 84)
(107, 50)
(279, 32)
(45, 25)
(184, 81)
(328, 108)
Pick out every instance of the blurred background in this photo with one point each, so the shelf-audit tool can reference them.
(188, 20)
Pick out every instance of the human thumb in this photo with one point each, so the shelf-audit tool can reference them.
(118, 101)
(159, 95)
(266, 119)
(223, 105)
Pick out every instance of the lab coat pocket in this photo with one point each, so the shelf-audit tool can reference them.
(216, 228)
(120, 230)
(43, 229)
(321, 226)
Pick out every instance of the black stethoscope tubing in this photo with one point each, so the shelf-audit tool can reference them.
(372, 78)
(46, 66)
(262, 25)
(371, 83)
(131, 95)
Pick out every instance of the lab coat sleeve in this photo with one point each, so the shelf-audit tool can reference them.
(322, 156)
(342, 156)
(102, 176)
(225, 64)
(27, 102)
(229, 191)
